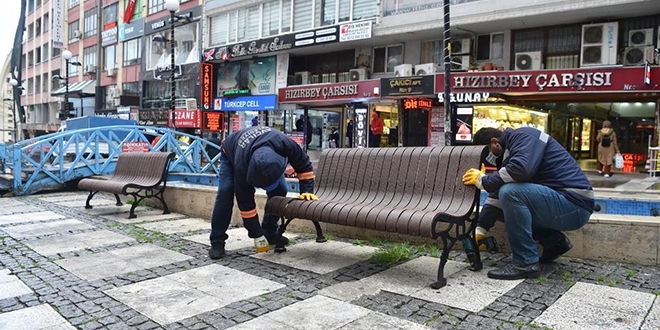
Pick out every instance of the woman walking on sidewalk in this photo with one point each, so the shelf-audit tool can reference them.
(607, 148)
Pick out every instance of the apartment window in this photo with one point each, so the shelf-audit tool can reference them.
(73, 3)
(30, 86)
(219, 31)
(31, 31)
(46, 22)
(56, 52)
(37, 27)
(490, 47)
(386, 58)
(89, 56)
(565, 40)
(110, 13)
(132, 51)
(55, 83)
(110, 57)
(269, 19)
(252, 26)
(528, 41)
(73, 69)
(44, 83)
(91, 26)
(137, 12)
(46, 52)
(37, 55)
(303, 13)
(131, 89)
(155, 6)
(432, 51)
(337, 11)
(30, 59)
(37, 84)
(30, 6)
(38, 3)
(74, 31)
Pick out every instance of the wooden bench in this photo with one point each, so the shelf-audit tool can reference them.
(139, 174)
(414, 191)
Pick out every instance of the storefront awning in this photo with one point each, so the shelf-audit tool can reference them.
(80, 89)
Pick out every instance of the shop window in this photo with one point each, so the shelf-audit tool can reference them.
(91, 24)
(303, 14)
(386, 58)
(89, 56)
(74, 31)
(233, 26)
(337, 11)
(110, 13)
(363, 9)
(132, 51)
(252, 27)
(325, 67)
(155, 6)
(286, 16)
(186, 49)
(260, 21)
(490, 47)
(46, 52)
(110, 57)
(46, 22)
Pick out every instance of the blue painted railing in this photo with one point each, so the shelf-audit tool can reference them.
(51, 160)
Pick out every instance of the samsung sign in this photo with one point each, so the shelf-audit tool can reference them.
(246, 103)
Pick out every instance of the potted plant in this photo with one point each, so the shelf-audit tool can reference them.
(474, 66)
(488, 66)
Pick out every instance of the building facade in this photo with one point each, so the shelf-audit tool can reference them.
(585, 63)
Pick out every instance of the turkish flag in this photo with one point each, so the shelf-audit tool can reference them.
(130, 9)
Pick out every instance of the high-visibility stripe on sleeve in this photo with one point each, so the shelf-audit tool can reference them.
(306, 176)
(249, 214)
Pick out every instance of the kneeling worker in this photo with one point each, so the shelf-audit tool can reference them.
(255, 157)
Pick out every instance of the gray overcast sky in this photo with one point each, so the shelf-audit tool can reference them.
(12, 9)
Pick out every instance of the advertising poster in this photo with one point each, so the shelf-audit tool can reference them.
(257, 75)
(228, 77)
(463, 126)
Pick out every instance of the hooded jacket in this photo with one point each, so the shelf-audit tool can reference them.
(530, 155)
(239, 148)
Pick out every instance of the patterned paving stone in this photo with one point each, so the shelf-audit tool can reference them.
(12, 209)
(238, 239)
(320, 258)
(67, 243)
(47, 228)
(181, 295)
(107, 209)
(177, 226)
(590, 306)
(120, 261)
(11, 286)
(54, 198)
(29, 217)
(81, 202)
(143, 215)
(34, 318)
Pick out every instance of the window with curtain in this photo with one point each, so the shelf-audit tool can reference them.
(219, 28)
(91, 25)
(233, 20)
(132, 51)
(89, 56)
(155, 6)
(286, 16)
(328, 12)
(110, 57)
(363, 9)
(74, 28)
(110, 13)
(242, 25)
(271, 19)
(432, 51)
(252, 23)
(73, 69)
(303, 15)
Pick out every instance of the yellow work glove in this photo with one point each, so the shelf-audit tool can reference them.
(473, 177)
(308, 197)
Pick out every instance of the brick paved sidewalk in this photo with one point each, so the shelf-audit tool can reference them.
(64, 267)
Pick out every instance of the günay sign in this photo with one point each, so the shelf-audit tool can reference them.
(464, 97)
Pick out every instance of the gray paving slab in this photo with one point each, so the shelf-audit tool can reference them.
(34, 318)
(10, 202)
(81, 202)
(120, 261)
(177, 226)
(238, 239)
(317, 312)
(143, 215)
(11, 286)
(45, 228)
(107, 209)
(181, 295)
(590, 306)
(54, 198)
(58, 244)
(21, 208)
(652, 320)
(320, 258)
(29, 217)
(377, 320)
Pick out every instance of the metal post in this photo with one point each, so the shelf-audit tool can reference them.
(173, 96)
(66, 90)
(447, 62)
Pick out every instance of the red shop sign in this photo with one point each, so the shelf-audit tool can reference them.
(213, 121)
(185, 118)
(617, 79)
(140, 146)
(414, 104)
(340, 91)
(206, 83)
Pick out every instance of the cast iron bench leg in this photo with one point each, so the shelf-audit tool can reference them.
(319, 233)
(160, 197)
(89, 198)
(279, 247)
(447, 242)
(119, 203)
(136, 201)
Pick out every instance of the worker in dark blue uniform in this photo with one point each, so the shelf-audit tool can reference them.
(541, 190)
(255, 157)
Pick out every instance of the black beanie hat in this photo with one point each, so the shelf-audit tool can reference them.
(265, 168)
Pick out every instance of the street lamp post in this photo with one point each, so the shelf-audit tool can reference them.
(172, 6)
(66, 55)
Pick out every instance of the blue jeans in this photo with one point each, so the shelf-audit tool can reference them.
(224, 205)
(529, 206)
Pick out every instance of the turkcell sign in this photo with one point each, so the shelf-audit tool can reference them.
(246, 103)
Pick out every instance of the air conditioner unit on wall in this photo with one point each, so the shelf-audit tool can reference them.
(111, 72)
(303, 78)
(403, 70)
(638, 55)
(76, 34)
(599, 44)
(358, 74)
(426, 69)
(461, 46)
(528, 61)
(642, 37)
(90, 68)
(460, 62)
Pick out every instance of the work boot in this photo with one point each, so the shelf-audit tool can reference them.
(513, 272)
(552, 252)
(272, 239)
(217, 251)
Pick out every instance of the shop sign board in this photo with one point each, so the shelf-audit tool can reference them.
(246, 103)
(361, 126)
(464, 116)
(340, 91)
(213, 121)
(616, 79)
(355, 31)
(320, 36)
(421, 85)
(421, 104)
(206, 89)
(109, 36)
(185, 118)
(138, 146)
(160, 24)
(465, 97)
(131, 30)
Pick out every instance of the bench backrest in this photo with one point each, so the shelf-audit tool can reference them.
(143, 168)
(412, 178)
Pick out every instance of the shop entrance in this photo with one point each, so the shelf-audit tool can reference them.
(321, 125)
